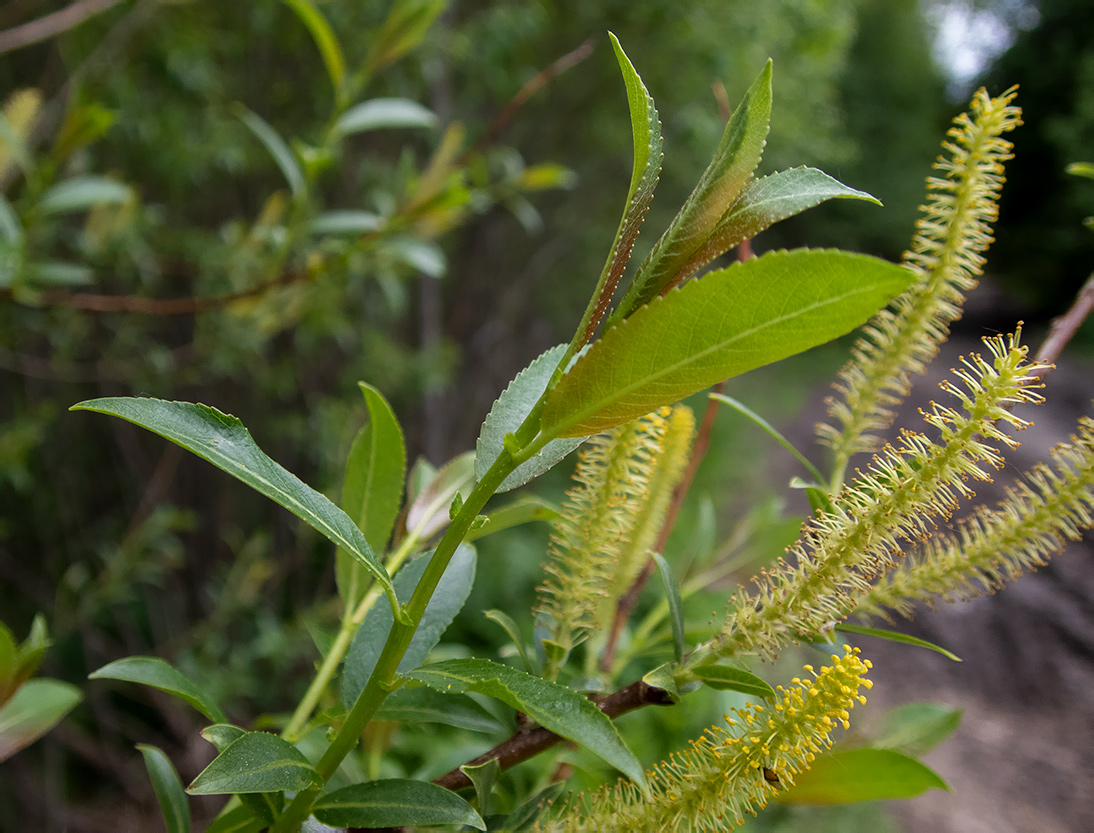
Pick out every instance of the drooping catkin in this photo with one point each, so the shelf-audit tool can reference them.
(721, 778)
(1050, 505)
(952, 234)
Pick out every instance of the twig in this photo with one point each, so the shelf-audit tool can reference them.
(536, 83)
(1064, 328)
(527, 743)
(52, 24)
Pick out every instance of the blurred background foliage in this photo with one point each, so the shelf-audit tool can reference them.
(468, 239)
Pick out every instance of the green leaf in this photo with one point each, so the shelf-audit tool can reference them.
(9, 663)
(154, 672)
(728, 322)
(678, 253)
(372, 490)
(676, 605)
(894, 636)
(384, 113)
(57, 273)
(222, 440)
(915, 729)
(512, 629)
(770, 199)
(222, 735)
(82, 193)
(168, 787)
(483, 777)
(427, 511)
(236, 820)
(32, 649)
(646, 134)
(324, 38)
(771, 430)
(726, 678)
(33, 710)
(861, 775)
(1081, 169)
(394, 802)
(521, 511)
(664, 678)
(404, 28)
(526, 814)
(265, 806)
(553, 706)
(424, 705)
(449, 597)
(257, 762)
(509, 411)
(11, 230)
(345, 222)
(277, 148)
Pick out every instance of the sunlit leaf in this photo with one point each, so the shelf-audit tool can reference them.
(726, 323)
(676, 254)
(81, 193)
(555, 707)
(155, 672)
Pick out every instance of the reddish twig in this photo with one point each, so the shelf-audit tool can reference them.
(1064, 328)
(536, 83)
(52, 24)
(527, 743)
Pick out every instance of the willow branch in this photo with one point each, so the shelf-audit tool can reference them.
(52, 24)
(528, 743)
(1064, 328)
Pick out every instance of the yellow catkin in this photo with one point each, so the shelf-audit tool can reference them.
(952, 234)
(732, 770)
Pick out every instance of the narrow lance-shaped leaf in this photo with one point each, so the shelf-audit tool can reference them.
(558, 708)
(861, 775)
(730, 321)
(727, 678)
(380, 113)
(769, 200)
(257, 762)
(506, 416)
(673, 257)
(646, 132)
(896, 636)
(676, 604)
(168, 788)
(372, 490)
(82, 193)
(277, 148)
(395, 802)
(222, 440)
(325, 40)
(155, 672)
(447, 600)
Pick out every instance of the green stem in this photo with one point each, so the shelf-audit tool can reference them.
(382, 681)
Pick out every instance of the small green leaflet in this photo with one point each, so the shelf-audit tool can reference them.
(155, 672)
(372, 489)
(257, 762)
(222, 440)
(721, 325)
(676, 604)
(506, 416)
(325, 40)
(396, 802)
(861, 775)
(727, 678)
(896, 636)
(553, 706)
(677, 254)
(646, 134)
(168, 788)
